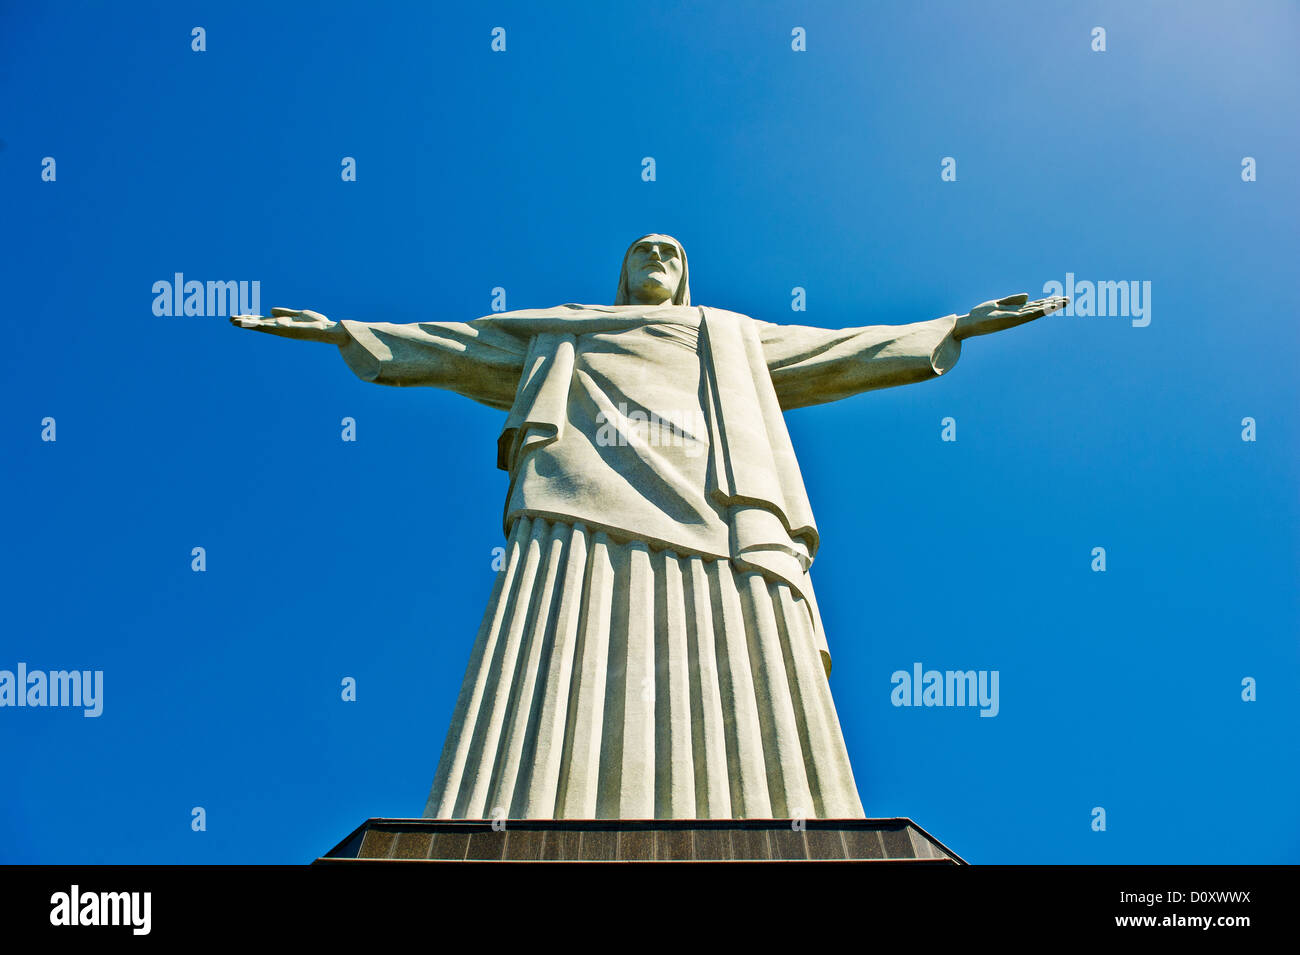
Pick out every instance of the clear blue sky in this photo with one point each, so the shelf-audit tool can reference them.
(776, 169)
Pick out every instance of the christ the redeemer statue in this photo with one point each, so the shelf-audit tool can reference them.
(652, 648)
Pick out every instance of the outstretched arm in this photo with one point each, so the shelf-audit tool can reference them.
(476, 360)
(812, 366)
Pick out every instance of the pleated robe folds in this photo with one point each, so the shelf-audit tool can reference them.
(652, 647)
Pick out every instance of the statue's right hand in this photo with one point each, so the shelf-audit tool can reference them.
(293, 323)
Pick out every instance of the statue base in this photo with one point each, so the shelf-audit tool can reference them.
(461, 841)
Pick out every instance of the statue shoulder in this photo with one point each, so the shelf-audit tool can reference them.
(726, 311)
(740, 320)
(555, 311)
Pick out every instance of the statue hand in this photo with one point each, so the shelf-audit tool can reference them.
(291, 323)
(1004, 313)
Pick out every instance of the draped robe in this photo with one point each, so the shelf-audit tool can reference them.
(653, 647)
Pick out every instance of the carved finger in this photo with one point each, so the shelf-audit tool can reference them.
(1013, 301)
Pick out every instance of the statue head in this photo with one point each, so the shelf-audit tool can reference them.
(654, 273)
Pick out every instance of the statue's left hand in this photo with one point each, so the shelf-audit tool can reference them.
(1004, 313)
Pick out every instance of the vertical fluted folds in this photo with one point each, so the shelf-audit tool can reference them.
(613, 680)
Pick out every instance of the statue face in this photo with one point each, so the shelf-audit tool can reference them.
(654, 270)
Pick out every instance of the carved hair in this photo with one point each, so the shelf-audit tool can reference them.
(683, 294)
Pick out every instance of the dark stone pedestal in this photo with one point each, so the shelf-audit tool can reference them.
(460, 841)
